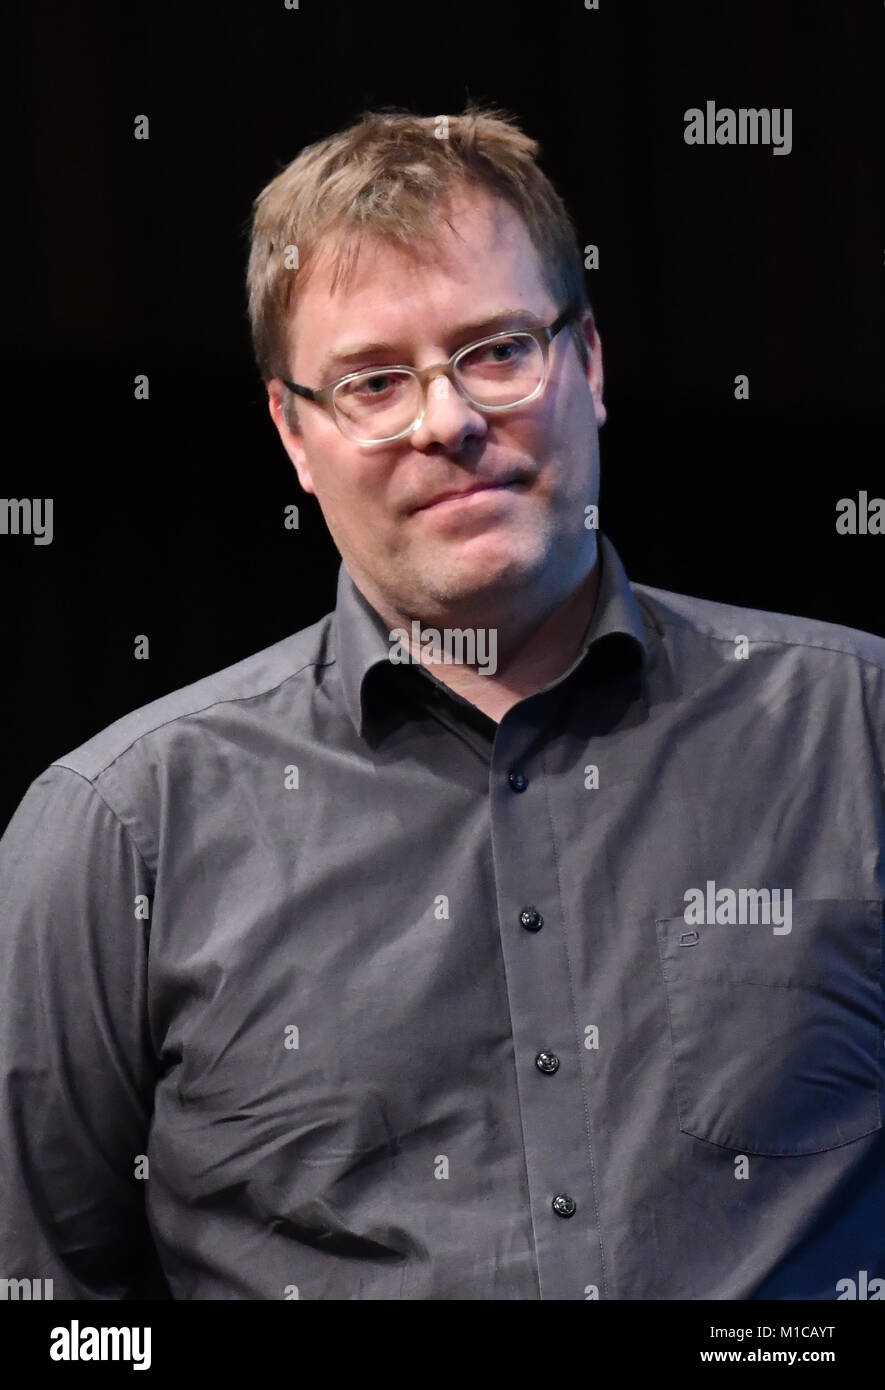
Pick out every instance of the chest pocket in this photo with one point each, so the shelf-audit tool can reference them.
(777, 1039)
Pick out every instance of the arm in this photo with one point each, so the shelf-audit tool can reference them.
(77, 1069)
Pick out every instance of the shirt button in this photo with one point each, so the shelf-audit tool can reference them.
(531, 919)
(518, 781)
(547, 1062)
(564, 1205)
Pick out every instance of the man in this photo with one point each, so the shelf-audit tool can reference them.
(513, 932)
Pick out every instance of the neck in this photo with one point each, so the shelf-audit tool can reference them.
(529, 660)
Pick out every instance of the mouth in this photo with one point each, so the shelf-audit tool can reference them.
(471, 496)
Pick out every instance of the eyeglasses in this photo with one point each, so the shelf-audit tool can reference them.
(382, 404)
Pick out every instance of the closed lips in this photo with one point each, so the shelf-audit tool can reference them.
(466, 492)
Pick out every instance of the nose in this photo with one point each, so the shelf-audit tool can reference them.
(449, 419)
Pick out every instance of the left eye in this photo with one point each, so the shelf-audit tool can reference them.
(499, 354)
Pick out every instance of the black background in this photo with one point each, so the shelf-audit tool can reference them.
(128, 256)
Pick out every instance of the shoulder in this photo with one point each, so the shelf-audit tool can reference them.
(810, 640)
(289, 663)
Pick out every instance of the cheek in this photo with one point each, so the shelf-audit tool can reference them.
(560, 429)
(354, 498)
(340, 476)
(568, 481)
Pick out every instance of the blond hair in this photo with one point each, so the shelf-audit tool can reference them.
(386, 177)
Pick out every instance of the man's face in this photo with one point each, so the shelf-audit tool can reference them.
(481, 557)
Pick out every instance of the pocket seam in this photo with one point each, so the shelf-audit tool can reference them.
(876, 908)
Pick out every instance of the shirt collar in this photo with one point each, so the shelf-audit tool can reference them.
(361, 639)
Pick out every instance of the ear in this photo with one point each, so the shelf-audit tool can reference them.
(594, 365)
(292, 441)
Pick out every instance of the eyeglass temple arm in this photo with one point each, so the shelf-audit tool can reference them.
(305, 391)
(570, 311)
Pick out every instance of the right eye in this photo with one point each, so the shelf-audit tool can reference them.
(374, 388)
(375, 385)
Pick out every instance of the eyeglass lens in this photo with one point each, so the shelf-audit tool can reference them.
(380, 403)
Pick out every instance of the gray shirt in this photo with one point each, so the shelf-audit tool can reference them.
(321, 984)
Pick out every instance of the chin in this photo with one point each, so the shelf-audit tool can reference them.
(482, 580)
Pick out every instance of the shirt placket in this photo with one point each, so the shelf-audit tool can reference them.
(546, 1035)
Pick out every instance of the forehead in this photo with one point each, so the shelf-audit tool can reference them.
(478, 245)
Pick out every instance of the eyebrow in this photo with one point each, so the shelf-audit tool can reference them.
(348, 356)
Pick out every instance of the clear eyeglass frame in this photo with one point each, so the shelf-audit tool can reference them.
(324, 396)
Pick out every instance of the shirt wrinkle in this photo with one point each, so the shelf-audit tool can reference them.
(377, 997)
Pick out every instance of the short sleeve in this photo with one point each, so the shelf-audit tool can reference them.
(76, 1066)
